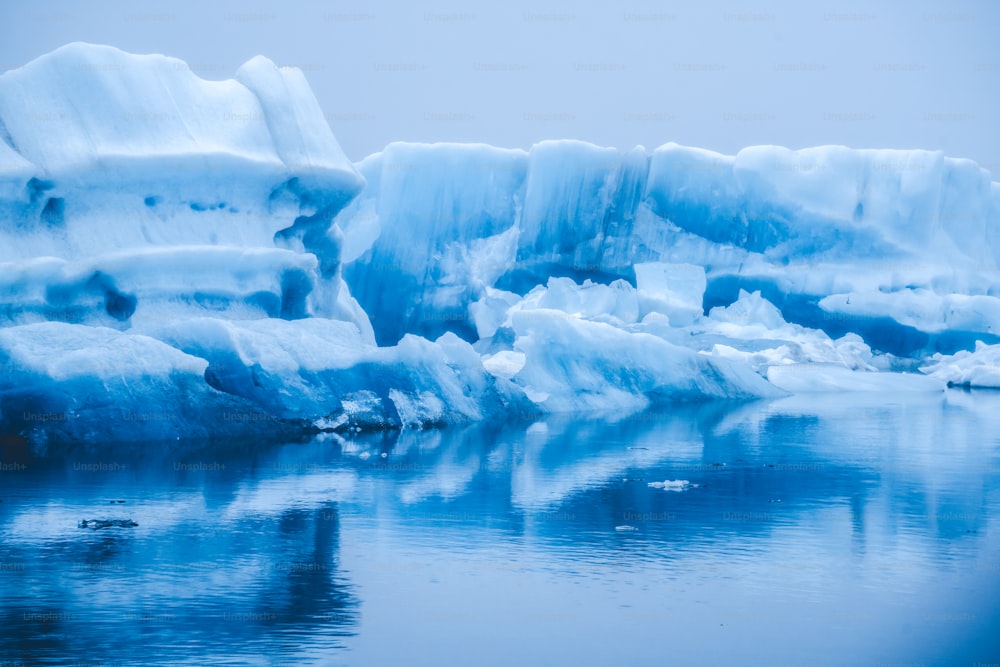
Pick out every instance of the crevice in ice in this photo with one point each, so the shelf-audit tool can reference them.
(72, 300)
(295, 289)
(37, 188)
(54, 212)
(117, 304)
(5, 136)
(267, 302)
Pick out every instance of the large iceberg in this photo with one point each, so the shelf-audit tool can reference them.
(878, 242)
(189, 258)
(93, 134)
(167, 250)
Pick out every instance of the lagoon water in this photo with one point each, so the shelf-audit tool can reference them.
(815, 530)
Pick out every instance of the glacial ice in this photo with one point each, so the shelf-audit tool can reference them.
(89, 384)
(674, 290)
(814, 378)
(101, 129)
(182, 248)
(976, 368)
(325, 373)
(821, 233)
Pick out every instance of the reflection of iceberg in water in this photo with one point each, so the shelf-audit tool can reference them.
(774, 459)
(274, 550)
(204, 565)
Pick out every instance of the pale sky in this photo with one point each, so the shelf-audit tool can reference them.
(722, 75)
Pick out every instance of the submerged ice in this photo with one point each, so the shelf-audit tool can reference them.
(178, 248)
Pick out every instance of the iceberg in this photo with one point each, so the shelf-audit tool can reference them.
(970, 369)
(90, 384)
(173, 159)
(878, 243)
(813, 378)
(326, 372)
(185, 249)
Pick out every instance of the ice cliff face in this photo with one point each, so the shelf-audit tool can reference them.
(106, 155)
(871, 241)
(92, 133)
(174, 249)
(168, 266)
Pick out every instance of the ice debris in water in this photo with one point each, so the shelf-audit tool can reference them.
(673, 485)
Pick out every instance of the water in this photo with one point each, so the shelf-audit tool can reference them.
(822, 531)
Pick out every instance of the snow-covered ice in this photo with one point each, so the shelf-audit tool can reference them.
(977, 368)
(189, 248)
(170, 158)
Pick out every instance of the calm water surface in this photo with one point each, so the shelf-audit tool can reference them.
(823, 530)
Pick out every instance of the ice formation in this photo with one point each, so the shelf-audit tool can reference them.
(185, 248)
(978, 368)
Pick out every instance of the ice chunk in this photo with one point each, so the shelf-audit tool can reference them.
(676, 290)
(920, 308)
(753, 330)
(673, 485)
(980, 368)
(325, 372)
(617, 302)
(809, 378)
(490, 311)
(76, 383)
(505, 363)
(575, 364)
(751, 314)
(204, 376)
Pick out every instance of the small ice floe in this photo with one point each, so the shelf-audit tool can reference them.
(329, 424)
(107, 523)
(626, 529)
(673, 485)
